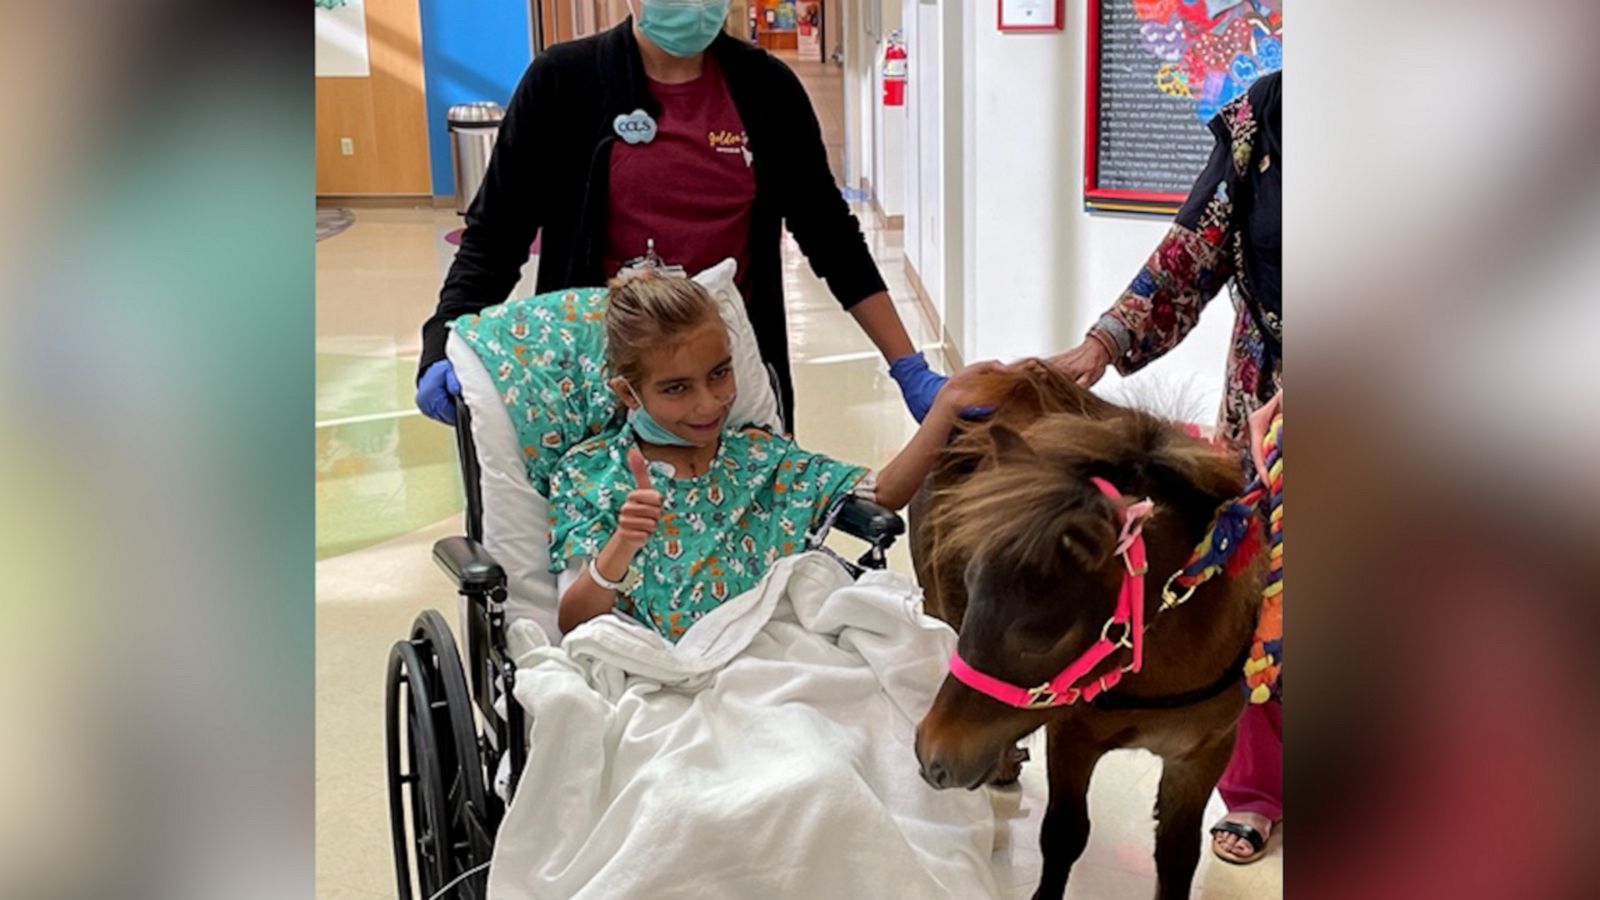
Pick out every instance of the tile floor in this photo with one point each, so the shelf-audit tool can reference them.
(387, 488)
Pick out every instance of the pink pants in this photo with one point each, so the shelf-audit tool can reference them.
(1253, 780)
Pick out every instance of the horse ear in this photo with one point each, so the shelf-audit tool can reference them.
(1090, 553)
(1091, 535)
(1009, 446)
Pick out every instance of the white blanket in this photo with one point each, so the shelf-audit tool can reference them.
(768, 755)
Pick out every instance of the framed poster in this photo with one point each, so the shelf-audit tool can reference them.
(341, 35)
(1158, 71)
(1031, 15)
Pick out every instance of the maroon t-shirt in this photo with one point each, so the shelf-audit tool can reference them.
(691, 188)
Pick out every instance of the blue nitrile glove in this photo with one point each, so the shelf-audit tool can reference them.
(917, 382)
(434, 390)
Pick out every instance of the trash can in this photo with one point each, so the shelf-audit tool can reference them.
(473, 129)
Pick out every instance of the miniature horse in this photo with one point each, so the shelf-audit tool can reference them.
(1016, 546)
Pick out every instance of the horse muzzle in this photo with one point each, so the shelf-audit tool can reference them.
(961, 741)
(944, 767)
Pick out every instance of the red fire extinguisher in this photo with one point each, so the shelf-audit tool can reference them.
(894, 71)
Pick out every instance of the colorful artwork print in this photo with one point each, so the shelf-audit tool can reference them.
(1211, 50)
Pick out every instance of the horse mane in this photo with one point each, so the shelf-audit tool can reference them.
(1031, 388)
(1015, 487)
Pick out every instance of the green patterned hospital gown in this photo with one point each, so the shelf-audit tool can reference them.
(719, 531)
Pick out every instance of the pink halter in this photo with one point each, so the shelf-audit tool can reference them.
(1063, 689)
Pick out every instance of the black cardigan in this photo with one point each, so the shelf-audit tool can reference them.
(551, 166)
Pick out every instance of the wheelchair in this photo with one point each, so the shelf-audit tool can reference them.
(451, 720)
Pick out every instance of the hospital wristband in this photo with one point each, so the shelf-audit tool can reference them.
(608, 584)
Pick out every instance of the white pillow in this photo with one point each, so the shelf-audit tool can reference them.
(516, 519)
(756, 403)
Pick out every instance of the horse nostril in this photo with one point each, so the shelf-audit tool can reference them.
(935, 774)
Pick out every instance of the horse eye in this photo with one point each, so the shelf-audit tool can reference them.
(1031, 641)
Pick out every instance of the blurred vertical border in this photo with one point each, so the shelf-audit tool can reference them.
(1441, 231)
(156, 339)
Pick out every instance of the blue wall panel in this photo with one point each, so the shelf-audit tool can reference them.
(471, 50)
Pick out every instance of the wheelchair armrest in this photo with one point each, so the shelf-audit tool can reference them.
(469, 565)
(864, 519)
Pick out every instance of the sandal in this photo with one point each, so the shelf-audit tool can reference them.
(1257, 842)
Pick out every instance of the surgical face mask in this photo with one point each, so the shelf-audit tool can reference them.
(648, 429)
(683, 28)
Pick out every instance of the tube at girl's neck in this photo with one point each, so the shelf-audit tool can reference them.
(659, 65)
(688, 461)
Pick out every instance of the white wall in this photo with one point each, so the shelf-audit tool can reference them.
(847, 29)
(834, 26)
(933, 156)
(911, 160)
(886, 147)
(954, 99)
(889, 161)
(925, 68)
(1035, 270)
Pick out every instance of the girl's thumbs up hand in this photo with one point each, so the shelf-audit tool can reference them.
(640, 469)
(641, 511)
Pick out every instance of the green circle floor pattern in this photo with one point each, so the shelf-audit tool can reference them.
(382, 471)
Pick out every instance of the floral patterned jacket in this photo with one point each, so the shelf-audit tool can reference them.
(1228, 232)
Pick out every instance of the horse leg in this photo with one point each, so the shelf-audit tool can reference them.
(1066, 817)
(1186, 785)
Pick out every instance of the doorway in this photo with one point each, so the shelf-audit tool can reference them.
(555, 21)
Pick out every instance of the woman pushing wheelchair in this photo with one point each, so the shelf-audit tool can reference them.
(665, 130)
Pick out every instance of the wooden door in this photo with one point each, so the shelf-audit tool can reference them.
(559, 21)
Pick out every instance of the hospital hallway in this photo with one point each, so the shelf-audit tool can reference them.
(825, 86)
(388, 486)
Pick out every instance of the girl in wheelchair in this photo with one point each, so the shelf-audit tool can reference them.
(677, 512)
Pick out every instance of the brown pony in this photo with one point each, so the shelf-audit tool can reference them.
(1016, 549)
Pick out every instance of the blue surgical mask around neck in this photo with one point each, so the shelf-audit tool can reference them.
(682, 28)
(648, 429)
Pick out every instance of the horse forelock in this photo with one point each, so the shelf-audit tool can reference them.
(1015, 505)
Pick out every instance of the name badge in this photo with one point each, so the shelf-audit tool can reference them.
(636, 127)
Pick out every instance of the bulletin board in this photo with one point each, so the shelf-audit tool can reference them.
(1159, 70)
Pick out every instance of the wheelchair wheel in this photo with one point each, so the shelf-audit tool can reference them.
(433, 749)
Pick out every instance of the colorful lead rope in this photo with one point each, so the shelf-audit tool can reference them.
(1262, 670)
(1230, 543)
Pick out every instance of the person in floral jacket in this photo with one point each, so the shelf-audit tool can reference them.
(1227, 233)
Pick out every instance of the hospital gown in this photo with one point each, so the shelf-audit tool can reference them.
(719, 531)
